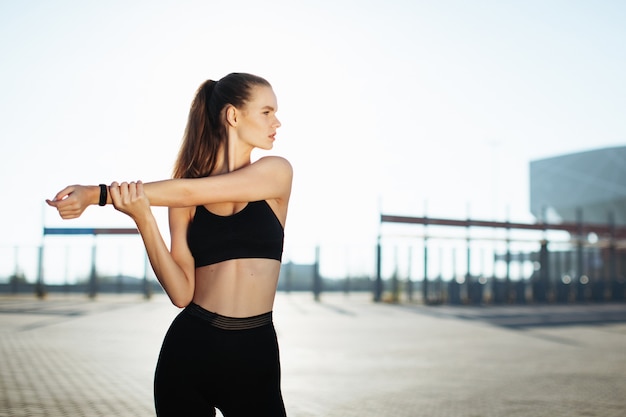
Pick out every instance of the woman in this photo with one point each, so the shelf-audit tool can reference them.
(226, 218)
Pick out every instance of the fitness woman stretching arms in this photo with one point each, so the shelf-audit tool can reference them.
(226, 219)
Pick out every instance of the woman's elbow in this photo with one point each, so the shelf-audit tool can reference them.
(181, 298)
(180, 305)
(181, 301)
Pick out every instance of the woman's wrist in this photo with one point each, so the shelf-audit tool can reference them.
(144, 220)
(104, 194)
(93, 193)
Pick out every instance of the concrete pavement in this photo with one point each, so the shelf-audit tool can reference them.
(344, 356)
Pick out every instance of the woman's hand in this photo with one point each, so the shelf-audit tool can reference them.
(73, 200)
(130, 199)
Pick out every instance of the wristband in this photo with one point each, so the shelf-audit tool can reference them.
(103, 195)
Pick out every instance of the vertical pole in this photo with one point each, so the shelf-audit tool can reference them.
(508, 256)
(558, 275)
(409, 282)
(395, 279)
(540, 286)
(580, 265)
(507, 280)
(468, 275)
(468, 263)
(425, 281)
(567, 292)
(346, 282)
(378, 285)
(288, 276)
(16, 270)
(496, 286)
(317, 279)
(40, 288)
(92, 277)
(597, 292)
(616, 294)
(454, 287)
(483, 275)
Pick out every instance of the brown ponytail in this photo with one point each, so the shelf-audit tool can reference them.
(206, 131)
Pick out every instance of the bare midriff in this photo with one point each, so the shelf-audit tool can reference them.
(237, 287)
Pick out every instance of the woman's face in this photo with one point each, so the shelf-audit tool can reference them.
(257, 122)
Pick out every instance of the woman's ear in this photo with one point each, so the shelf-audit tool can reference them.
(231, 115)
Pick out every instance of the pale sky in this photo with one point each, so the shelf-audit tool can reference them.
(384, 104)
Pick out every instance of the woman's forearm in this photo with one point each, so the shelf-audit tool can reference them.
(164, 193)
(171, 193)
(176, 283)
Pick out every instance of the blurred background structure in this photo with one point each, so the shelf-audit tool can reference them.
(575, 251)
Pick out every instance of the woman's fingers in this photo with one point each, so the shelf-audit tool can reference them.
(68, 202)
(139, 189)
(126, 196)
(64, 193)
(114, 190)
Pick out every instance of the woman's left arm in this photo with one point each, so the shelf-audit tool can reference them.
(268, 178)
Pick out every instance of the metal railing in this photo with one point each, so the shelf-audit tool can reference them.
(432, 261)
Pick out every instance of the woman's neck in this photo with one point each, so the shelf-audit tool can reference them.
(238, 155)
(231, 161)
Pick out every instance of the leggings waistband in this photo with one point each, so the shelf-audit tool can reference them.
(229, 323)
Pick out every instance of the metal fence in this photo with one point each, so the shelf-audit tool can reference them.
(426, 263)
(475, 262)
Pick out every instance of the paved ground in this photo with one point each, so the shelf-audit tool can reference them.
(342, 357)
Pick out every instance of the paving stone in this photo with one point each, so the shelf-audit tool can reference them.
(344, 356)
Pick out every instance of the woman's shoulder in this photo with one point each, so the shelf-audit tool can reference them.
(273, 160)
(275, 163)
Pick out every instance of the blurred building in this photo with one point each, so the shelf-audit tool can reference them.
(583, 188)
(592, 183)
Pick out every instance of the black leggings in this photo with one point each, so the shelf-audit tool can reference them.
(210, 361)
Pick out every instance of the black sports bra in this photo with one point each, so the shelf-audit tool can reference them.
(254, 232)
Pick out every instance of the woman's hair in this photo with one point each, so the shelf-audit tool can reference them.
(206, 131)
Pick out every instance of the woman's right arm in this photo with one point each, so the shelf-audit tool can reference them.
(175, 270)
